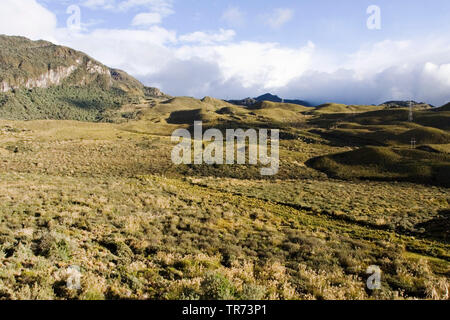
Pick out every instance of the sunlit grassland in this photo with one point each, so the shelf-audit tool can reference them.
(107, 198)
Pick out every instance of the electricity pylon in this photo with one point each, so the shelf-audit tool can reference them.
(410, 117)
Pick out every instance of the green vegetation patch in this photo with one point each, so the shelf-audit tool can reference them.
(384, 163)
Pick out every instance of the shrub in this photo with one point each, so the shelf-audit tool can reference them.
(253, 292)
(216, 287)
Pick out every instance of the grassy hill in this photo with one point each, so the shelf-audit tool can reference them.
(429, 118)
(278, 105)
(330, 108)
(390, 164)
(385, 135)
(425, 135)
(186, 110)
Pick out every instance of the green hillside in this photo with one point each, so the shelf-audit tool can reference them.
(330, 108)
(278, 105)
(391, 164)
(40, 80)
(425, 135)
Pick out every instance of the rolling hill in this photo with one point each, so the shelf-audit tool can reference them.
(330, 108)
(387, 164)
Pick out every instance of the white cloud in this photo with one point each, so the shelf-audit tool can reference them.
(233, 17)
(139, 52)
(279, 17)
(125, 5)
(252, 63)
(159, 9)
(143, 19)
(161, 6)
(99, 4)
(26, 18)
(155, 10)
(208, 38)
(388, 70)
(439, 72)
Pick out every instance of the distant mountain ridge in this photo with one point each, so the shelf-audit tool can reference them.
(405, 104)
(267, 97)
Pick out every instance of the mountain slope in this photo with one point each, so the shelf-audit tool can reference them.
(267, 97)
(405, 104)
(40, 80)
(273, 98)
(445, 107)
(387, 164)
(331, 108)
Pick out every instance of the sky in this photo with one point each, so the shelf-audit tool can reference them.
(347, 51)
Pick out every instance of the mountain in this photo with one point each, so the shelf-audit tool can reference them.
(405, 104)
(274, 98)
(247, 102)
(41, 80)
(268, 97)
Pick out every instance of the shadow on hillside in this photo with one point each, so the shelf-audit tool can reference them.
(438, 228)
(185, 117)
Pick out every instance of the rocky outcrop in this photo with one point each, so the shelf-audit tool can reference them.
(50, 78)
(54, 77)
(26, 64)
(153, 92)
(92, 68)
(244, 102)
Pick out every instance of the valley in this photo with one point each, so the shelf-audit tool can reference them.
(87, 180)
(106, 197)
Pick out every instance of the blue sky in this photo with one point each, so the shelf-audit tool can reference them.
(318, 50)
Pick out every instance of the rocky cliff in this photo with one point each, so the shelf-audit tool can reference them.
(39, 64)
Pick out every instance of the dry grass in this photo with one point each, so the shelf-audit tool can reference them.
(106, 197)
